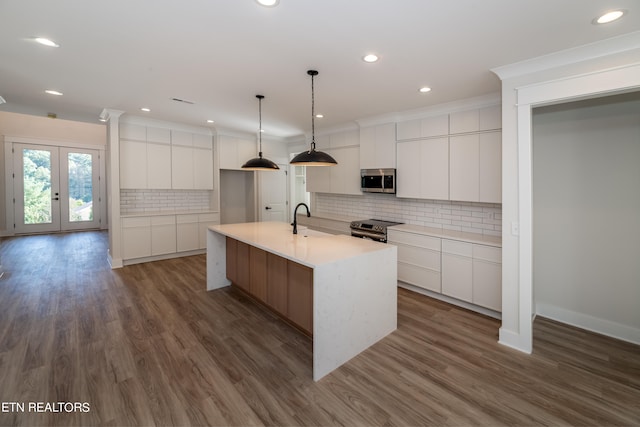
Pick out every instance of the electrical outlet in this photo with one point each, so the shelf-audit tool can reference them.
(515, 228)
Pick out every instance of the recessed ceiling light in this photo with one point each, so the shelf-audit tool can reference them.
(209, 121)
(319, 116)
(46, 42)
(145, 109)
(609, 17)
(102, 120)
(53, 92)
(425, 89)
(268, 3)
(370, 58)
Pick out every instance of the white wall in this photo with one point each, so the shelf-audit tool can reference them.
(237, 195)
(586, 213)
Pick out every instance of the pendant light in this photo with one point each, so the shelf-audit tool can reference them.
(259, 163)
(313, 157)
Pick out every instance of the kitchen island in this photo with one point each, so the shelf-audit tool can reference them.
(350, 285)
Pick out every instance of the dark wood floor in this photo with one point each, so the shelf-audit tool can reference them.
(147, 345)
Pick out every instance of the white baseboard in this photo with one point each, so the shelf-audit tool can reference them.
(590, 323)
(512, 339)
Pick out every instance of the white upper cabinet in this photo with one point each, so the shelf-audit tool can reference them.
(475, 168)
(191, 161)
(488, 118)
(233, 152)
(423, 169)
(133, 132)
(378, 147)
(344, 178)
(158, 135)
(423, 128)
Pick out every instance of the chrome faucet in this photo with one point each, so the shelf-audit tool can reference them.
(295, 216)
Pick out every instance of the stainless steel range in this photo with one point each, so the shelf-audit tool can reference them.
(374, 229)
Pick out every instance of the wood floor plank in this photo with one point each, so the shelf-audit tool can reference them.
(148, 345)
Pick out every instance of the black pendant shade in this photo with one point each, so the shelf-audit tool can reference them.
(313, 157)
(259, 163)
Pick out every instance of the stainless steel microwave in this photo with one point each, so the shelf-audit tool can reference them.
(378, 180)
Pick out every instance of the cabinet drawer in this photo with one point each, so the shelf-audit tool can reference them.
(420, 257)
(457, 248)
(186, 218)
(487, 253)
(413, 239)
(163, 220)
(421, 277)
(142, 221)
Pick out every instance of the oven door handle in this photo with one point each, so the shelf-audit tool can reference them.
(375, 236)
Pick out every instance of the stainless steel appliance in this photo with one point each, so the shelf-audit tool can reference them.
(374, 229)
(378, 180)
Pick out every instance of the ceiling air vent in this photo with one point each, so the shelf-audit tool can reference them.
(182, 100)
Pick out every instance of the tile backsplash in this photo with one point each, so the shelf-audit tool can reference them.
(482, 218)
(154, 201)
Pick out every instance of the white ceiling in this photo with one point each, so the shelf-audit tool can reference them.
(125, 54)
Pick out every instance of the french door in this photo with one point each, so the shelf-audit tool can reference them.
(55, 188)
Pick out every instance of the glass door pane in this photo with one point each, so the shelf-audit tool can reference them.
(79, 174)
(37, 201)
(80, 187)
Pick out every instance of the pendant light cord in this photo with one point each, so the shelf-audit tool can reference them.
(260, 123)
(313, 116)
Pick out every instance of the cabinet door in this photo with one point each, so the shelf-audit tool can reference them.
(457, 277)
(187, 229)
(319, 179)
(158, 166)
(434, 169)
(464, 121)
(182, 167)
(163, 235)
(345, 176)
(368, 155)
(385, 147)
(300, 296)
(258, 273)
(434, 126)
(181, 138)
(242, 266)
(408, 174)
(464, 164)
(136, 237)
(490, 118)
(203, 169)
(130, 131)
(158, 135)
(277, 283)
(411, 129)
(133, 164)
(232, 259)
(491, 167)
(487, 284)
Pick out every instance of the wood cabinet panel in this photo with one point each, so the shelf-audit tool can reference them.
(300, 297)
(258, 273)
(277, 295)
(243, 266)
(232, 259)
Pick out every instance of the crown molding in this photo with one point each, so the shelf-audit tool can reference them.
(624, 43)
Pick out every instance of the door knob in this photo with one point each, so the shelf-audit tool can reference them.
(267, 207)
(55, 198)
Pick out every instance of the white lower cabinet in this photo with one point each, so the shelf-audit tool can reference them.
(472, 273)
(158, 235)
(418, 259)
(136, 237)
(465, 271)
(163, 235)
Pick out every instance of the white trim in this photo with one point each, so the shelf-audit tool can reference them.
(53, 142)
(145, 121)
(623, 43)
(590, 323)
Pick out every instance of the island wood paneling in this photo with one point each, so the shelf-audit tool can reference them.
(277, 295)
(232, 259)
(258, 273)
(300, 296)
(148, 345)
(243, 271)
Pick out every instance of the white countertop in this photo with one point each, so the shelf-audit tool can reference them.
(316, 249)
(450, 234)
(156, 213)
